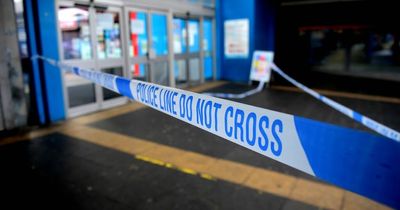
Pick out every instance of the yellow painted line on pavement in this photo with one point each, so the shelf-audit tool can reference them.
(306, 191)
(106, 114)
(172, 166)
(31, 134)
(206, 86)
(93, 117)
(206, 167)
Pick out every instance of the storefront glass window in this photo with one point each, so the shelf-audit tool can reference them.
(193, 34)
(207, 44)
(179, 35)
(75, 32)
(108, 35)
(159, 34)
(137, 34)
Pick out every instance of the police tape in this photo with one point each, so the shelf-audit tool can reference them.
(239, 95)
(358, 117)
(364, 120)
(364, 163)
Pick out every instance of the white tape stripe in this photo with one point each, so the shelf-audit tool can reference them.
(294, 154)
(240, 95)
(366, 121)
(329, 152)
(269, 133)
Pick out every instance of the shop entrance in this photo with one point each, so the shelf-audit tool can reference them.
(148, 45)
(192, 50)
(150, 42)
(90, 38)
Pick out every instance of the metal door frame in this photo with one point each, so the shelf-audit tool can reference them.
(186, 56)
(94, 63)
(110, 62)
(174, 9)
(87, 64)
(148, 59)
(171, 10)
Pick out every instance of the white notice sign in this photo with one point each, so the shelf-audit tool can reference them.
(104, 21)
(236, 38)
(260, 66)
(137, 27)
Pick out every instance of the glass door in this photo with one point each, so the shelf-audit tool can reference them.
(208, 49)
(109, 51)
(159, 48)
(91, 38)
(193, 43)
(187, 63)
(75, 23)
(147, 45)
(180, 67)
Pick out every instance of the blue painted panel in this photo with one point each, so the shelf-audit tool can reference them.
(261, 15)
(265, 25)
(208, 65)
(159, 36)
(208, 43)
(35, 66)
(219, 39)
(49, 48)
(236, 69)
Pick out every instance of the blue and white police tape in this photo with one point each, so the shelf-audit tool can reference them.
(366, 121)
(364, 163)
(239, 95)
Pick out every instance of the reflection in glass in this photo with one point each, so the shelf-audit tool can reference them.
(194, 70)
(179, 35)
(159, 36)
(108, 94)
(75, 32)
(193, 34)
(207, 38)
(137, 34)
(207, 44)
(180, 72)
(139, 71)
(160, 72)
(108, 35)
(353, 51)
(204, 3)
(208, 66)
(19, 16)
(80, 91)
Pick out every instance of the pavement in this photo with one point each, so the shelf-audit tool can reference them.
(133, 157)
